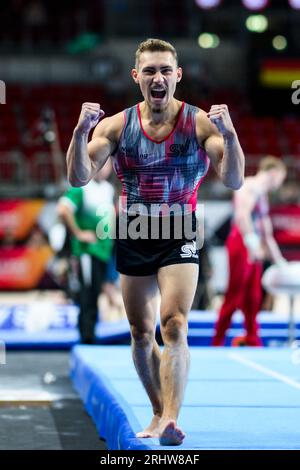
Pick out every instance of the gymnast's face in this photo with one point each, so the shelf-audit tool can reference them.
(157, 75)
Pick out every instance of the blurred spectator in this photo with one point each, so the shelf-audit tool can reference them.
(78, 207)
(250, 238)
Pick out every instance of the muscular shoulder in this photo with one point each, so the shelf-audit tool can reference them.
(110, 127)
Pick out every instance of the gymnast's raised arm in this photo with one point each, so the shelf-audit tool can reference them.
(85, 159)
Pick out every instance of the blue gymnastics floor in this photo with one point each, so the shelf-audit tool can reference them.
(236, 398)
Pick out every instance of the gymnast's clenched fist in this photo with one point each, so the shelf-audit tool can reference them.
(90, 114)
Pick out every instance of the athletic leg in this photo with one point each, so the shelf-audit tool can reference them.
(252, 303)
(237, 261)
(177, 284)
(140, 295)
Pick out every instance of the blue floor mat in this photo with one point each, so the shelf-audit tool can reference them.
(239, 398)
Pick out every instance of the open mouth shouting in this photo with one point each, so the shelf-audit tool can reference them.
(158, 94)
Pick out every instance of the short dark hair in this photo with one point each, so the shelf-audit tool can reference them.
(153, 45)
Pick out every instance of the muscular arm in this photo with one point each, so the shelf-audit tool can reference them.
(244, 203)
(223, 149)
(85, 159)
(270, 241)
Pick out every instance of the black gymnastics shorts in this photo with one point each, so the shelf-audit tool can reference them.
(144, 256)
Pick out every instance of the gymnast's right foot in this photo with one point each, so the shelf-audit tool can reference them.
(152, 430)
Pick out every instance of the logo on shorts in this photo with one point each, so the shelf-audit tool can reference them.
(189, 251)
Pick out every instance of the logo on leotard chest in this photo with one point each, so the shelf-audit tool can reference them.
(177, 150)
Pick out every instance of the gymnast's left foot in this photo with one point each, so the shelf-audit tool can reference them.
(170, 434)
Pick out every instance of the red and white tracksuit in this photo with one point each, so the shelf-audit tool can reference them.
(244, 290)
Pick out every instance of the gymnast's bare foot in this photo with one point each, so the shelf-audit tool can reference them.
(152, 430)
(170, 434)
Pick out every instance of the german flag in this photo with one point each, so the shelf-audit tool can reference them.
(279, 73)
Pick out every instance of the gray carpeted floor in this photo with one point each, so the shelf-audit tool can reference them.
(39, 409)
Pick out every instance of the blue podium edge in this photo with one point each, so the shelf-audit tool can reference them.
(112, 415)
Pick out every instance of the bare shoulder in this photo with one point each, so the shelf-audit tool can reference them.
(204, 127)
(110, 127)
